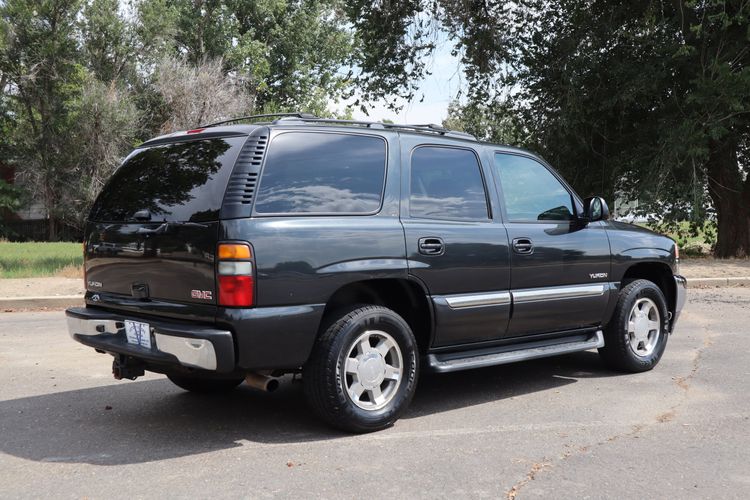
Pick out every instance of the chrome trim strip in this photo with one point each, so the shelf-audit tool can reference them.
(558, 292)
(478, 300)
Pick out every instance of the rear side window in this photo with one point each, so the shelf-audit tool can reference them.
(531, 192)
(308, 172)
(446, 184)
(183, 181)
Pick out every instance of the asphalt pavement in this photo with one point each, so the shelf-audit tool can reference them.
(556, 428)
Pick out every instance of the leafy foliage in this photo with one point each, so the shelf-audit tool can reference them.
(640, 99)
(83, 81)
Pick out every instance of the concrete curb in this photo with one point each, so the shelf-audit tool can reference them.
(63, 301)
(54, 301)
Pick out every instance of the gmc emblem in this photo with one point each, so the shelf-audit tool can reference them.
(201, 294)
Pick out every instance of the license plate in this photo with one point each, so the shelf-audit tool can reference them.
(138, 333)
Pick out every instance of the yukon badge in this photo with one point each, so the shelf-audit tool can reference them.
(201, 294)
(596, 276)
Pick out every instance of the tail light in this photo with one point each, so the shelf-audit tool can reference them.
(235, 275)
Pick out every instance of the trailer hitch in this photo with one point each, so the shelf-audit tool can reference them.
(127, 367)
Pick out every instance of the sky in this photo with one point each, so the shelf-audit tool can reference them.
(439, 89)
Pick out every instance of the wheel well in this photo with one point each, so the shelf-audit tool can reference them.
(659, 274)
(404, 297)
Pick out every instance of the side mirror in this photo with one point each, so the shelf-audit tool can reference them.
(595, 208)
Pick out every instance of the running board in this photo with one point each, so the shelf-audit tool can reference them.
(455, 361)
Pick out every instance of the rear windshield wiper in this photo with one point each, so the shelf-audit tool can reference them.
(167, 226)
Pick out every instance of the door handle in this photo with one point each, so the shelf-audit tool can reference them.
(523, 245)
(431, 246)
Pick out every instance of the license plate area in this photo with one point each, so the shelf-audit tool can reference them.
(138, 333)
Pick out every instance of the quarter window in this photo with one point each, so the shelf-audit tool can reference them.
(309, 172)
(446, 183)
(531, 192)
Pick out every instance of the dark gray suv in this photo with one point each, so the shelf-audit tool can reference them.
(359, 254)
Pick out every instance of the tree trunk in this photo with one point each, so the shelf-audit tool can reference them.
(731, 198)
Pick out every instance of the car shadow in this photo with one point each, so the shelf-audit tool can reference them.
(152, 420)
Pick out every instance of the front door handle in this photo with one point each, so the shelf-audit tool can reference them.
(523, 245)
(431, 246)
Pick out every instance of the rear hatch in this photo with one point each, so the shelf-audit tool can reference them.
(153, 230)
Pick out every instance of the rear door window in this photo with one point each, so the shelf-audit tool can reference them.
(446, 183)
(182, 181)
(319, 173)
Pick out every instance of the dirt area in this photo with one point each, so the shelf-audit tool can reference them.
(40, 287)
(712, 268)
(56, 286)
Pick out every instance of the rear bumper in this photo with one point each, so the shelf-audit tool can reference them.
(680, 297)
(174, 344)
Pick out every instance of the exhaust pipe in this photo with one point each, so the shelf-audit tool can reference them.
(262, 382)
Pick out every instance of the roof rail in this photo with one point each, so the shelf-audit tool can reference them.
(436, 129)
(309, 118)
(252, 117)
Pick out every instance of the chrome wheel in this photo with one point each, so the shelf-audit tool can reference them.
(373, 369)
(644, 327)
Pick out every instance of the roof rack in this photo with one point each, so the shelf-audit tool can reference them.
(431, 127)
(309, 118)
(253, 117)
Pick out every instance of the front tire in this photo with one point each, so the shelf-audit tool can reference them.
(636, 336)
(362, 373)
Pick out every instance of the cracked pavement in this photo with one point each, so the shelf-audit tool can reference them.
(561, 427)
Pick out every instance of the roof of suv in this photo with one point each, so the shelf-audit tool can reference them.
(230, 127)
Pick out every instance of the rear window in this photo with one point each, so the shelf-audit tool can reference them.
(446, 183)
(309, 172)
(182, 181)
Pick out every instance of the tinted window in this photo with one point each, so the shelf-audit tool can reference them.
(531, 192)
(176, 182)
(322, 173)
(446, 184)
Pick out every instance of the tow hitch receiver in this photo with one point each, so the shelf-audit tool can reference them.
(127, 367)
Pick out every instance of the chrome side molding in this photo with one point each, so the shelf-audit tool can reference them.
(478, 300)
(500, 298)
(558, 292)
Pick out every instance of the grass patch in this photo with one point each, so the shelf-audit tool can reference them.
(694, 241)
(27, 260)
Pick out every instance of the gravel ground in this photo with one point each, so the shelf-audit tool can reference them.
(558, 428)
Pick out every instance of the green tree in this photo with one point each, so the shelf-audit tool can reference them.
(650, 100)
(290, 54)
(39, 64)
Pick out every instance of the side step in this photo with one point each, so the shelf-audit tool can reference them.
(466, 360)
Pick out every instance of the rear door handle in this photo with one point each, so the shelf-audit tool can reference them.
(523, 245)
(431, 246)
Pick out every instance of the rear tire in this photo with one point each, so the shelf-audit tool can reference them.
(362, 373)
(205, 385)
(636, 336)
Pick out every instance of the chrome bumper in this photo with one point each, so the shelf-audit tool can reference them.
(173, 343)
